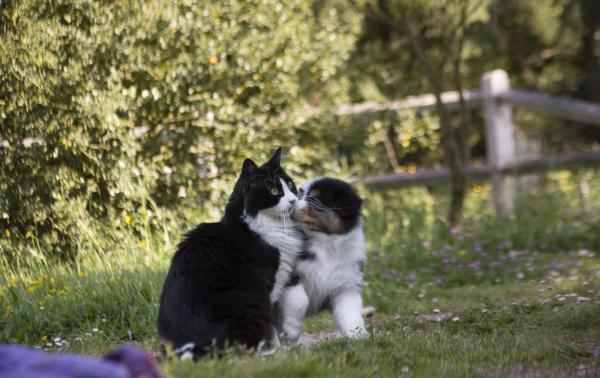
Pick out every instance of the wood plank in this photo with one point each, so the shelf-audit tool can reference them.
(421, 102)
(438, 176)
(560, 107)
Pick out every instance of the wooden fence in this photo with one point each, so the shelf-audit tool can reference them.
(497, 100)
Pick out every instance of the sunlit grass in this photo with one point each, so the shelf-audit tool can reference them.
(513, 295)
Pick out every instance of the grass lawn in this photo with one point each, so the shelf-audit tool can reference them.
(515, 297)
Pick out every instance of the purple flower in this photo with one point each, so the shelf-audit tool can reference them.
(426, 244)
(411, 277)
(440, 281)
(447, 261)
(555, 265)
(503, 245)
(474, 265)
(444, 249)
(477, 247)
(496, 264)
(514, 256)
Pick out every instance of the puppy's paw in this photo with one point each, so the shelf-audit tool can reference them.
(358, 332)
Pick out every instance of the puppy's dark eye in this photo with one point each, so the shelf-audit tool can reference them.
(290, 185)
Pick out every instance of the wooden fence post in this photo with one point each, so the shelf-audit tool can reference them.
(499, 139)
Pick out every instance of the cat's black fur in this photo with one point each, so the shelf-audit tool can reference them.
(216, 293)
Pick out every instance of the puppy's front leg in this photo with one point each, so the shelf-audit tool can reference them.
(294, 303)
(347, 312)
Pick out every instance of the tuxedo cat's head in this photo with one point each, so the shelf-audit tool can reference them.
(327, 205)
(266, 189)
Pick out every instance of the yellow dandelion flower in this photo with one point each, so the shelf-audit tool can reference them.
(7, 233)
(412, 168)
(44, 338)
(477, 189)
(80, 274)
(256, 77)
(14, 280)
(127, 219)
(405, 142)
(52, 291)
(213, 60)
(30, 289)
(143, 243)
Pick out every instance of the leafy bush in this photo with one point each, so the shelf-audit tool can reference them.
(112, 108)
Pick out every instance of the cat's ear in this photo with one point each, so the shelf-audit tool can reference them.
(275, 160)
(249, 166)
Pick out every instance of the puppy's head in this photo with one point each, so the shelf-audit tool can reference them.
(327, 205)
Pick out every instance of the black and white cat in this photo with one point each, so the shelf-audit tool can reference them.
(226, 276)
(329, 272)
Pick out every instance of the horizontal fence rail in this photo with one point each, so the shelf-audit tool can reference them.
(559, 107)
(556, 106)
(523, 167)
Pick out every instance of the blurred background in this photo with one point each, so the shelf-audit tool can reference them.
(116, 112)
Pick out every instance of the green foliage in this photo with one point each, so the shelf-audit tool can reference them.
(116, 108)
(143, 110)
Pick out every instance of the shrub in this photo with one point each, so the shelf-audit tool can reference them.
(111, 108)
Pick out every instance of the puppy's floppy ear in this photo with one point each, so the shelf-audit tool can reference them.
(275, 160)
(249, 166)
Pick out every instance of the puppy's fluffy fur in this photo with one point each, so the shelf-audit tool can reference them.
(329, 272)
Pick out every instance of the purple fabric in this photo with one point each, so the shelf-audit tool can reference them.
(125, 362)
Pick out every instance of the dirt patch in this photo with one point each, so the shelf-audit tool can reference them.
(308, 340)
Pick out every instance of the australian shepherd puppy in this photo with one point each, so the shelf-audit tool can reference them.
(329, 271)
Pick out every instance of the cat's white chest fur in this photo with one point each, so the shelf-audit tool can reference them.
(283, 237)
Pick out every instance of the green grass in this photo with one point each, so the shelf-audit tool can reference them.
(507, 291)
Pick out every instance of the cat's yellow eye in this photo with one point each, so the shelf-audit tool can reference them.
(274, 191)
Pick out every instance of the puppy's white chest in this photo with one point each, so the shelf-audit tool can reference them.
(333, 265)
